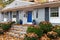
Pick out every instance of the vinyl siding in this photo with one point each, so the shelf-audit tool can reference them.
(41, 15)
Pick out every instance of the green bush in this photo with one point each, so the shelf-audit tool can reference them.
(30, 29)
(1, 32)
(56, 27)
(57, 31)
(5, 27)
(18, 22)
(12, 22)
(37, 31)
(45, 26)
(52, 35)
(32, 38)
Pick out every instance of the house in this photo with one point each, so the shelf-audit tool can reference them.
(29, 11)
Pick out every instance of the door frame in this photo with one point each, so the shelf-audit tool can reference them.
(29, 17)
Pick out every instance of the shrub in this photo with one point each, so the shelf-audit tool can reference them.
(37, 31)
(21, 22)
(5, 27)
(45, 26)
(28, 38)
(31, 36)
(30, 29)
(18, 22)
(12, 22)
(52, 35)
(56, 27)
(57, 31)
(34, 22)
(1, 32)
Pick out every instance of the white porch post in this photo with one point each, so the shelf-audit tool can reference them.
(24, 18)
(9, 16)
(10, 13)
(1, 17)
(17, 15)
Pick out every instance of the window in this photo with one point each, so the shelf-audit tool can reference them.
(54, 12)
(14, 15)
(37, 13)
(25, 15)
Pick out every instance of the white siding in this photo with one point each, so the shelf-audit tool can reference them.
(41, 15)
(21, 16)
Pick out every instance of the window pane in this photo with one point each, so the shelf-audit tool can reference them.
(14, 16)
(54, 15)
(54, 12)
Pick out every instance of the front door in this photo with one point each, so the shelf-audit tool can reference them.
(29, 16)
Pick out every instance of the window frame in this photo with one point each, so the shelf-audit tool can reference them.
(55, 11)
(14, 14)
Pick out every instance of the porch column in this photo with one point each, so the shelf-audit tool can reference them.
(17, 15)
(9, 16)
(10, 13)
(47, 14)
(1, 16)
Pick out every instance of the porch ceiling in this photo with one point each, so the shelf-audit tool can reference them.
(34, 6)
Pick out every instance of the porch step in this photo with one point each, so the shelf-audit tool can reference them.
(18, 31)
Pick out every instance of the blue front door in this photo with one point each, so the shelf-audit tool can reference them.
(29, 16)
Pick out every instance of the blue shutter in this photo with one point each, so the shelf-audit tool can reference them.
(17, 16)
(47, 14)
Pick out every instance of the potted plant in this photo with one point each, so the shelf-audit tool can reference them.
(34, 22)
(21, 22)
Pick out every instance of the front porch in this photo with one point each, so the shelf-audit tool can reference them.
(17, 16)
